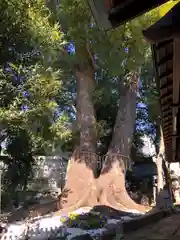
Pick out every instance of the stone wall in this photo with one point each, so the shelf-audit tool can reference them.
(50, 172)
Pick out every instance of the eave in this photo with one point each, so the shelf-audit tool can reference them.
(110, 14)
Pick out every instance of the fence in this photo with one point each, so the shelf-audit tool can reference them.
(47, 183)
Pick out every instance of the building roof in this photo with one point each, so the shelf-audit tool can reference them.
(112, 13)
(125, 10)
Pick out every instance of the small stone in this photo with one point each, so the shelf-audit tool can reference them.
(82, 237)
(114, 224)
(116, 227)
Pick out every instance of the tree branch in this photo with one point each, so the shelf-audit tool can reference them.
(90, 55)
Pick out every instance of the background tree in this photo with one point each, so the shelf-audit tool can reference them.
(29, 113)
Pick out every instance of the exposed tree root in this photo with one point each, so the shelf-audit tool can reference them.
(112, 183)
(118, 198)
(80, 187)
(83, 190)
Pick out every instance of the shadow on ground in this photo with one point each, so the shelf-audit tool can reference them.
(99, 221)
(36, 210)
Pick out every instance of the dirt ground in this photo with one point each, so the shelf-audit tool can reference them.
(165, 229)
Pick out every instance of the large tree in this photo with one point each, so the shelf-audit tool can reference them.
(122, 52)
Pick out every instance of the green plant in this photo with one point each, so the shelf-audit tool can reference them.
(85, 221)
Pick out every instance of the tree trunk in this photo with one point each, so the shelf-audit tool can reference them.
(112, 179)
(80, 174)
(81, 188)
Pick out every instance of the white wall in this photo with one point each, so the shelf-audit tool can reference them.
(175, 167)
(148, 148)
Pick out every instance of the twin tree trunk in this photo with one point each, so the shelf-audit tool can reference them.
(82, 188)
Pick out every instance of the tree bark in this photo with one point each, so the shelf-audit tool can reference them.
(81, 188)
(80, 183)
(112, 178)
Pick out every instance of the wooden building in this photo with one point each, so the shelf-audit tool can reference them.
(166, 54)
(112, 13)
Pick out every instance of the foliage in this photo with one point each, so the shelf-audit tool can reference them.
(92, 220)
(125, 43)
(19, 163)
(21, 160)
(29, 115)
(25, 26)
(151, 113)
(105, 99)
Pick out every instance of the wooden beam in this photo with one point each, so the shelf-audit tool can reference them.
(166, 95)
(175, 136)
(166, 73)
(166, 79)
(168, 119)
(165, 59)
(166, 101)
(167, 127)
(176, 84)
(129, 9)
(167, 133)
(167, 27)
(163, 44)
(167, 107)
(167, 85)
(166, 114)
(168, 137)
(167, 110)
(165, 123)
